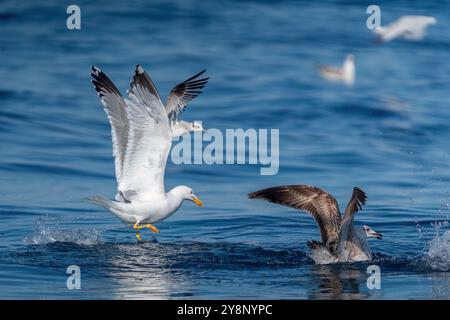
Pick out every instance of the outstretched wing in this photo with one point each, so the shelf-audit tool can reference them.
(182, 93)
(115, 108)
(149, 139)
(320, 204)
(411, 27)
(355, 204)
(390, 32)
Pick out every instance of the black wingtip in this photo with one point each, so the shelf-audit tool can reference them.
(360, 195)
(256, 194)
(200, 73)
(252, 195)
(102, 84)
(139, 69)
(264, 193)
(95, 70)
(195, 76)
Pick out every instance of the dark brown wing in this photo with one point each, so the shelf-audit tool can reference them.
(320, 204)
(355, 204)
(182, 93)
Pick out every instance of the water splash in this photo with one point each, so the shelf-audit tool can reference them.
(47, 230)
(437, 251)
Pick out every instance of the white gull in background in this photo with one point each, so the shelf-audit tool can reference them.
(408, 27)
(141, 140)
(345, 74)
(178, 99)
(342, 241)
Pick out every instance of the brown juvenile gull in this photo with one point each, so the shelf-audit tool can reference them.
(341, 240)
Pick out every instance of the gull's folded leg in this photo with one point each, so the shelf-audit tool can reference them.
(152, 228)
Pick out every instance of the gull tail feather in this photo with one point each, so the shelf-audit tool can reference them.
(102, 202)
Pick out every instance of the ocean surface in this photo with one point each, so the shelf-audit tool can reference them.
(388, 134)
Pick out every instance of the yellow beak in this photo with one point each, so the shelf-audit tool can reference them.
(197, 201)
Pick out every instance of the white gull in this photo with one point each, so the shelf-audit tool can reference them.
(408, 27)
(345, 74)
(141, 140)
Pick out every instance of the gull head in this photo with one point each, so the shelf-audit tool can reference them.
(370, 233)
(186, 193)
(197, 126)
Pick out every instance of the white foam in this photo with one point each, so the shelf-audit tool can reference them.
(437, 252)
(47, 230)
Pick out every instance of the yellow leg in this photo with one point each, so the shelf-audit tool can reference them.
(152, 228)
(138, 236)
(137, 228)
(148, 225)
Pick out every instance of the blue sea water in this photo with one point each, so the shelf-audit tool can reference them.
(388, 134)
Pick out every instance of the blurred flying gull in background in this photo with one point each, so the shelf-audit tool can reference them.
(407, 27)
(345, 74)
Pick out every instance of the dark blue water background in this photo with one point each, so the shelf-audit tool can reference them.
(389, 135)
